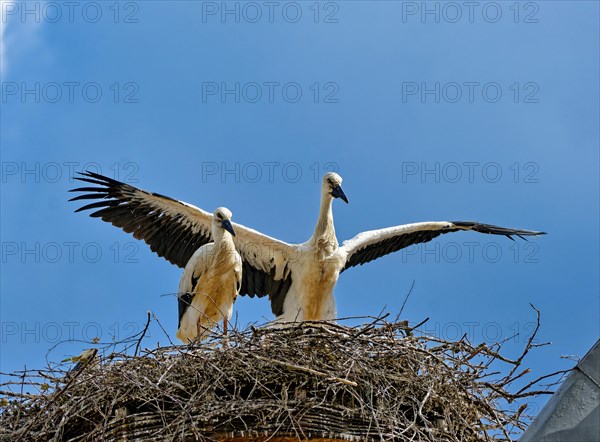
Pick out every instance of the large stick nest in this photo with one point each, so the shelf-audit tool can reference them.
(317, 381)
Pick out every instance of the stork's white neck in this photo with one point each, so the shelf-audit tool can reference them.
(219, 235)
(324, 234)
(224, 246)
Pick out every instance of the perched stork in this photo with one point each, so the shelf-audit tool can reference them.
(210, 283)
(298, 278)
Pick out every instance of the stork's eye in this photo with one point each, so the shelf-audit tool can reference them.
(219, 216)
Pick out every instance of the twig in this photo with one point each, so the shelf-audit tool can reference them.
(517, 363)
(143, 333)
(307, 370)
(406, 298)
(532, 383)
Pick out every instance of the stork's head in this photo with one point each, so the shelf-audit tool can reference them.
(222, 220)
(332, 185)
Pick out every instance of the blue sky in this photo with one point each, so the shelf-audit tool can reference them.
(488, 114)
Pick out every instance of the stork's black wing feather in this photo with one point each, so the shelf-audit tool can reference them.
(172, 229)
(371, 245)
(175, 230)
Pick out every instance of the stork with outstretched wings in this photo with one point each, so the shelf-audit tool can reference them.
(298, 278)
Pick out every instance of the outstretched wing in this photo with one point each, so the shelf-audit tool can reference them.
(174, 230)
(373, 244)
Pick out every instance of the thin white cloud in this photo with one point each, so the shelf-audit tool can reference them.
(17, 35)
(2, 37)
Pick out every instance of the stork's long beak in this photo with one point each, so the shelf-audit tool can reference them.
(337, 192)
(226, 224)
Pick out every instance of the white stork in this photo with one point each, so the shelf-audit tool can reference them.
(210, 282)
(298, 278)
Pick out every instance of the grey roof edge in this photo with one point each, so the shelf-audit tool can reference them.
(573, 412)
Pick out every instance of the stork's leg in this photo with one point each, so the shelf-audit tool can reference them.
(226, 338)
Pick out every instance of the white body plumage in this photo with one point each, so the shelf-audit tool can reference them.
(210, 283)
